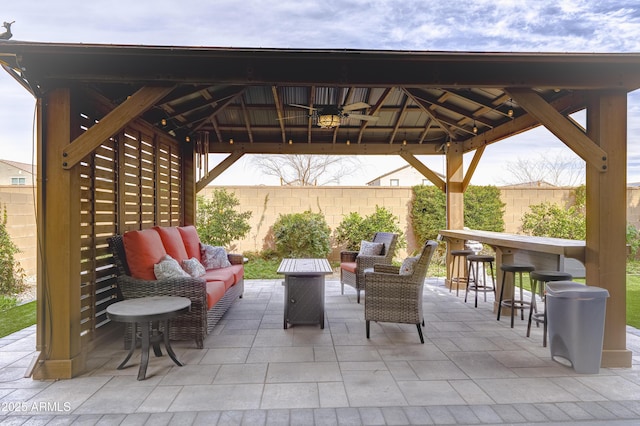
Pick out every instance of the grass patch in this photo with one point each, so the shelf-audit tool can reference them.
(16, 318)
(258, 268)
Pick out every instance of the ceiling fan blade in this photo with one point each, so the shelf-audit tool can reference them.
(355, 106)
(363, 117)
(304, 106)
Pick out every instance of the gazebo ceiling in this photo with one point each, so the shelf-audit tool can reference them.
(241, 99)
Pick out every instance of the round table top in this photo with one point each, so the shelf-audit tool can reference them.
(148, 308)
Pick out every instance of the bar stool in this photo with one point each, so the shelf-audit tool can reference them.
(459, 261)
(542, 277)
(474, 269)
(513, 303)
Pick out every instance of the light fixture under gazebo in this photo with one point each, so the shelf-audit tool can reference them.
(328, 121)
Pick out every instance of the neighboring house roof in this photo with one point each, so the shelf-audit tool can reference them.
(537, 183)
(25, 167)
(396, 171)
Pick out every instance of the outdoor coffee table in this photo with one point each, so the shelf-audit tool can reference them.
(148, 313)
(304, 290)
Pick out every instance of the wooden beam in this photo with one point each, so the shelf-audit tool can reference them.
(472, 168)
(564, 129)
(325, 148)
(426, 172)
(113, 122)
(217, 170)
(523, 123)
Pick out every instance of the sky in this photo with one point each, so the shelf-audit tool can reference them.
(592, 26)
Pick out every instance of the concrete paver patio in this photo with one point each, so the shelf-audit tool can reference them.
(472, 369)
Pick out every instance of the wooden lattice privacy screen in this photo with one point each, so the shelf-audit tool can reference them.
(131, 181)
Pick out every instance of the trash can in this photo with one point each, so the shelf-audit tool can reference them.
(575, 318)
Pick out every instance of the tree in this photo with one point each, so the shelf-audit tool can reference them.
(12, 276)
(218, 222)
(354, 228)
(555, 170)
(302, 170)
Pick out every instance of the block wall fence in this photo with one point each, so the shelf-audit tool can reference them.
(268, 202)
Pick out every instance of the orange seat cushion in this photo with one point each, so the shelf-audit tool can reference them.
(238, 272)
(349, 266)
(172, 241)
(215, 291)
(143, 250)
(191, 241)
(223, 274)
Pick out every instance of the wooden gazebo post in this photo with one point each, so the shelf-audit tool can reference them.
(455, 199)
(606, 219)
(58, 328)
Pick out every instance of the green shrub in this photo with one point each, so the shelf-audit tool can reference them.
(483, 210)
(302, 235)
(354, 228)
(552, 220)
(217, 220)
(633, 240)
(12, 276)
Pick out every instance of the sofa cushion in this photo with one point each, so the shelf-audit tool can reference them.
(238, 272)
(213, 257)
(215, 291)
(168, 267)
(143, 250)
(193, 267)
(191, 241)
(349, 266)
(172, 241)
(221, 274)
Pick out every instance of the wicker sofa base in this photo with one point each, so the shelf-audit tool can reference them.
(218, 310)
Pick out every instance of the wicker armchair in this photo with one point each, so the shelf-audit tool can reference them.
(352, 265)
(189, 326)
(392, 297)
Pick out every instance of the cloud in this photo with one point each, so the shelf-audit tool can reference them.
(475, 25)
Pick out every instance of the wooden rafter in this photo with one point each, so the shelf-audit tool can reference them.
(431, 114)
(374, 110)
(227, 99)
(279, 111)
(399, 118)
(247, 120)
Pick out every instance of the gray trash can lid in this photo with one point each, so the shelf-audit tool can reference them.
(574, 290)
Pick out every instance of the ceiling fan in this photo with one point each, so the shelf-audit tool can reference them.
(329, 116)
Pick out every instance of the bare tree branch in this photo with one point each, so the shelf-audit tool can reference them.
(301, 170)
(554, 170)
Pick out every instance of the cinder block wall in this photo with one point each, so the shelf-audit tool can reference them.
(21, 223)
(268, 202)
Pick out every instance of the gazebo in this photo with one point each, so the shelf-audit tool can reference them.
(124, 133)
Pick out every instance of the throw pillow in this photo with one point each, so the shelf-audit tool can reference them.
(168, 267)
(214, 257)
(193, 267)
(367, 248)
(408, 265)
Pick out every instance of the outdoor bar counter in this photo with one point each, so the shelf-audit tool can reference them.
(542, 252)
